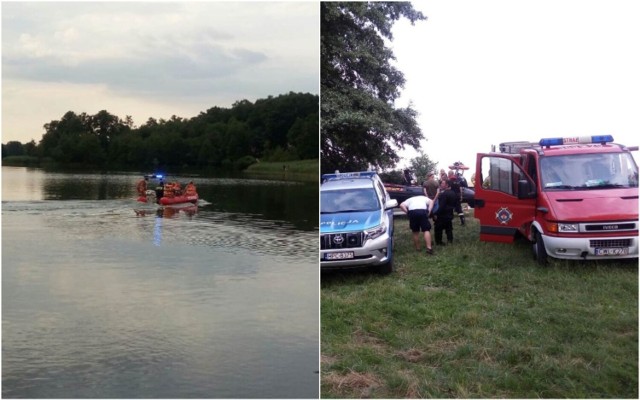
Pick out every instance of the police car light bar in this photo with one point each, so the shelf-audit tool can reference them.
(576, 140)
(347, 175)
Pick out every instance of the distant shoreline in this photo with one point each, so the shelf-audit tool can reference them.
(301, 170)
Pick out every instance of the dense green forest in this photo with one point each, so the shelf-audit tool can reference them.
(277, 129)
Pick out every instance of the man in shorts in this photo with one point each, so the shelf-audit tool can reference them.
(417, 208)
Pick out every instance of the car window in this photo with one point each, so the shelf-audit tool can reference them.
(585, 171)
(382, 190)
(333, 201)
(501, 174)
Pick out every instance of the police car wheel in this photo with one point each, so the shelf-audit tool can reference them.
(539, 251)
(386, 268)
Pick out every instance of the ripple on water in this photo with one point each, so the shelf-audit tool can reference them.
(82, 220)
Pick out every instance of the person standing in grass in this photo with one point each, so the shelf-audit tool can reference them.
(456, 185)
(443, 217)
(431, 185)
(417, 208)
(443, 174)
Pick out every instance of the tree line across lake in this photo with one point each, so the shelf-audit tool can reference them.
(277, 129)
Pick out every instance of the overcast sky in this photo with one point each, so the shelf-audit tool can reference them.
(150, 60)
(481, 72)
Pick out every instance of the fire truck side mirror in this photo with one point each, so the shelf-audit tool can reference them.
(526, 189)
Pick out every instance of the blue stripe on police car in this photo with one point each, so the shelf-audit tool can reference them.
(352, 221)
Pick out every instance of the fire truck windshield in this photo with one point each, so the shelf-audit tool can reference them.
(588, 171)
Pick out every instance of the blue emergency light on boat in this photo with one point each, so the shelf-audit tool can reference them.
(347, 175)
(576, 140)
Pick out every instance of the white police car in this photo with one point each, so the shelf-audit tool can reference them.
(356, 222)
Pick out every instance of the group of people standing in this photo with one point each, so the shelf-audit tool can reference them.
(440, 200)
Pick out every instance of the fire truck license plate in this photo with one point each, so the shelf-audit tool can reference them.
(339, 256)
(614, 251)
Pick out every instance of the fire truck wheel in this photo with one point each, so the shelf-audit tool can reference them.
(539, 252)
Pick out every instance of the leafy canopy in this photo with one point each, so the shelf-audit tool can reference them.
(277, 129)
(359, 123)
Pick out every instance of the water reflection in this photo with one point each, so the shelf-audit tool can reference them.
(289, 201)
(99, 301)
(157, 232)
(22, 183)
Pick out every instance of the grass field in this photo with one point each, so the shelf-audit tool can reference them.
(304, 170)
(20, 161)
(480, 320)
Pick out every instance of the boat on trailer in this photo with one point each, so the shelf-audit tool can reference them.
(410, 187)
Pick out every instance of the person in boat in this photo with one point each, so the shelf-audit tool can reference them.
(141, 187)
(177, 188)
(168, 190)
(190, 189)
(409, 177)
(159, 190)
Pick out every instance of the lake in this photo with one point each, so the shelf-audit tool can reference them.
(220, 301)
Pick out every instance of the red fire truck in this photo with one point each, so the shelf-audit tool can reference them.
(572, 198)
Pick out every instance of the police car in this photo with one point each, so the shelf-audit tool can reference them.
(356, 222)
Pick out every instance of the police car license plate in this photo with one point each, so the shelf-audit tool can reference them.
(345, 255)
(612, 251)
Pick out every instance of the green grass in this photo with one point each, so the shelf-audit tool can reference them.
(480, 320)
(20, 161)
(303, 170)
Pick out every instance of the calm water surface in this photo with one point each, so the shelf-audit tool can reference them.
(217, 302)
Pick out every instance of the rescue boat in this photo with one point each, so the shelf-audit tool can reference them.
(170, 193)
(166, 201)
(410, 187)
(173, 194)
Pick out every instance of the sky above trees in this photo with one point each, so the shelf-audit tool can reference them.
(483, 72)
(477, 73)
(150, 59)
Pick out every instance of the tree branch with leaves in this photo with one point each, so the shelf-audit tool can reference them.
(360, 125)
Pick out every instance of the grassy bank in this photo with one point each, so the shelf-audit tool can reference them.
(20, 161)
(480, 320)
(304, 170)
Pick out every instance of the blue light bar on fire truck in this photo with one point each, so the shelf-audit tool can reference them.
(347, 175)
(602, 139)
